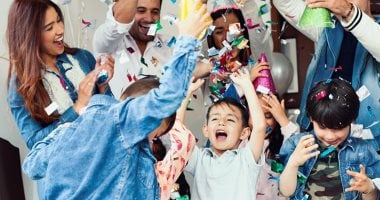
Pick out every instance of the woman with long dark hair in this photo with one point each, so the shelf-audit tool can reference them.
(49, 83)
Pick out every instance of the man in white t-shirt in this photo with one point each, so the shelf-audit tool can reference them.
(127, 35)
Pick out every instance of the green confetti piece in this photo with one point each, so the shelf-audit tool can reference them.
(263, 9)
(237, 41)
(276, 167)
(142, 60)
(159, 26)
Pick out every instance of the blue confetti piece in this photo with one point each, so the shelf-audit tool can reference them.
(251, 61)
(268, 130)
(327, 151)
(172, 41)
(173, 1)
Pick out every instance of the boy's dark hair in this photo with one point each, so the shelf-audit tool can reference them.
(231, 102)
(333, 104)
(243, 54)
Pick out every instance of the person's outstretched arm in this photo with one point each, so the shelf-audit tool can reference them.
(182, 143)
(119, 19)
(143, 114)
(256, 142)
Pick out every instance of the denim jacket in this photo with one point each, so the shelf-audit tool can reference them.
(354, 152)
(33, 131)
(105, 153)
(366, 72)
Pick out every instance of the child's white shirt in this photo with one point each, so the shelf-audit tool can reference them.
(233, 175)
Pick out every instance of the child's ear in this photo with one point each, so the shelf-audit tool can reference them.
(245, 133)
(205, 130)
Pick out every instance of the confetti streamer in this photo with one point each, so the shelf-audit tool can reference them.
(250, 24)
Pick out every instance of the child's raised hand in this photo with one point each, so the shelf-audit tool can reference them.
(241, 78)
(304, 151)
(276, 107)
(360, 182)
(255, 71)
(196, 22)
(194, 85)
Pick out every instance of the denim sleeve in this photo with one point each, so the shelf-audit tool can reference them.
(138, 117)
(36, 162)
(31, 130)
(288, 148)
(373, 165)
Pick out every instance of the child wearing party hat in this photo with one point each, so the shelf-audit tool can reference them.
(279, 127)
(328, 162)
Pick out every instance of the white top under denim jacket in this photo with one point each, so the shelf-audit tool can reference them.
(366, 66)
(73, 69)
(353, 152)
(113, 37)
(105, 152)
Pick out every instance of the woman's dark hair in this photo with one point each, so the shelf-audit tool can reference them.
(275, 138)
(26, 20)
(275, 141)
(333, 104)
(231, 102)
(243, 54)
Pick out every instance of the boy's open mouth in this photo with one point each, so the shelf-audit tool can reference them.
(220, 135)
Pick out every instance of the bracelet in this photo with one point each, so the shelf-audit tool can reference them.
(349, 12)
